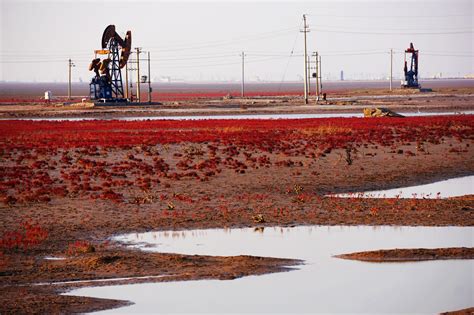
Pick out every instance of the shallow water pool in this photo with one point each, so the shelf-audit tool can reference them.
(322, 284)
(240, 116)
(453, 187)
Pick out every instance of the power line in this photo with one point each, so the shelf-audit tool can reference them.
(198, 57)
(447, 55)
(220, 64)
(447, 52)
(277, 55)
(260, 36)
(391, 16)
(354, 54)
(246, 36)
(258, 57)
(383, 29)
(393, 33)
(257, 36)
(289, 58)
(45, 53)
(40, 61)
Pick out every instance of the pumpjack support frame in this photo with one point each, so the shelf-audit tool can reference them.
(115, 73)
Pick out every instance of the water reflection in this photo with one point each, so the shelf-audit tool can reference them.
(454, 187)
(322, 284)
(260, 229)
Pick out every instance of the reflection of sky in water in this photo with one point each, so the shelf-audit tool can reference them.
(322, 284)
(443, 189)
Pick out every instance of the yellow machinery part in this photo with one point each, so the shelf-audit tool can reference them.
(102, 52)
(104, 66)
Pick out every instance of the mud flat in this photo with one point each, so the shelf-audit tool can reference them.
(187, 90)
(411, 254)
(35, 286)
(451, 100)
(68, 187)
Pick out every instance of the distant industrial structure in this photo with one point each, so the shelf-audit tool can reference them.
(411, 76)
(107, 84)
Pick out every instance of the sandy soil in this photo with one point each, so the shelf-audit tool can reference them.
(412, 254)
(251, 187)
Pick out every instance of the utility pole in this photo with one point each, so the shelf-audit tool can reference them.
(130, 91)
(70, 65)
(242, 90)
(305, 30)
(138, 49)
(309, 76)
(391, 68)
(126, 81)
(320, 77)
(317, 76)
(149, 80)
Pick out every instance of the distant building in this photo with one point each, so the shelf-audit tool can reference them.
(342, 75)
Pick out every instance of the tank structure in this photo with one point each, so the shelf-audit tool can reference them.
(411, 76)
(48, 96)
(107, 83)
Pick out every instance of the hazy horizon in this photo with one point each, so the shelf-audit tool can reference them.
(201, 41)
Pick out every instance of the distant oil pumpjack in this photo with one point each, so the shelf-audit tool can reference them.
(411, 76)
(107, 84)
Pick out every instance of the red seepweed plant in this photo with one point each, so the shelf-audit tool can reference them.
(27, 236)
(44, 160)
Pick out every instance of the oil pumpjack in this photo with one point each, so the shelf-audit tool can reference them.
(411, 76)
(107, 83)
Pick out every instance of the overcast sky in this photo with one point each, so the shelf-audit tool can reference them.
(202, 40)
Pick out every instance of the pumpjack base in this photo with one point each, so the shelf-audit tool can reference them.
(125, 102)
